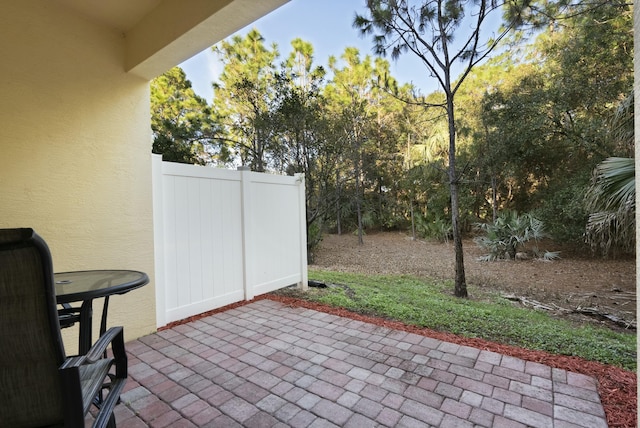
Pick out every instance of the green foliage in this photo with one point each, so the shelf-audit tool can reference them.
(562, 209)
(314, 237)
(393, 216)
(244, 99)
(611, 201)
(426, 303)
(508, 234)
(544, 119)
(623, 127)
(367, 221)
(438, 228)
(183, 130)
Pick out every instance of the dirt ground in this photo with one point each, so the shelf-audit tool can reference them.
(569, 284)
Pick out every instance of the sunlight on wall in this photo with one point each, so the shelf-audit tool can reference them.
(76, 149)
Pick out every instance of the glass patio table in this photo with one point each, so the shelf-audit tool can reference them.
(85, 286)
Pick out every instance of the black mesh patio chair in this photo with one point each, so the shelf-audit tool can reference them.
(39, 384)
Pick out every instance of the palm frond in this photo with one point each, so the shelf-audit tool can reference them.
(622, 125)
(614, 185)
(611, 199)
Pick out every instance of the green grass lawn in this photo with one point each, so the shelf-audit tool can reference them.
(431, 304)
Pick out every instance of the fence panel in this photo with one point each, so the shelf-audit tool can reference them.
(224, 236)
(274, 227)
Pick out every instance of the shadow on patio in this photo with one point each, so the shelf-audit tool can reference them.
(267, 364)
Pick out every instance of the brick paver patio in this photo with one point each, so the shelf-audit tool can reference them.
(266, 364)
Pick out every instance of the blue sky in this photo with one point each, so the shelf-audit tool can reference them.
(327, 25)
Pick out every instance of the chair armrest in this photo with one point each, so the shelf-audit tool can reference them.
(97, 349)
(114, 335)
(86, 377)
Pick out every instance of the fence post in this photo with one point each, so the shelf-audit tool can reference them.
(158, 238)
(302, 209)
(245, 209)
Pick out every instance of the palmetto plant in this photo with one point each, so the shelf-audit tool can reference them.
(507, 235)
(439, 228)
(611, 200)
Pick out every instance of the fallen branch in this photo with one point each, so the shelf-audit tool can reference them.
(614, 319)
(593, 312)
(532, 303)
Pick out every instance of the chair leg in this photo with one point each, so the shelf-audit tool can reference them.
(112, 421)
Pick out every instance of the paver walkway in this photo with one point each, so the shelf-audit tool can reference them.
(266, 364)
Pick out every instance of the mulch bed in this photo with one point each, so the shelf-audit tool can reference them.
(617, 387)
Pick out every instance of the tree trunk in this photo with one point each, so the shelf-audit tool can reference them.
(413, 221)
(408, 166)
(338, 209)
(460, 289)
(359, 204)
(494, 197)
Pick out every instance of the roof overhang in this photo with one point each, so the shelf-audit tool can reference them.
(160, 34)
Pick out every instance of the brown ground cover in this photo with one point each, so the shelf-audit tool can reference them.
(573, 282)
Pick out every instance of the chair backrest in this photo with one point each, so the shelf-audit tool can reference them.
(31, 348)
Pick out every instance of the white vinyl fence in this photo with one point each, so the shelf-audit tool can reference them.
(223, 236)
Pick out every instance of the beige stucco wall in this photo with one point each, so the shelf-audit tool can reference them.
(75, 148)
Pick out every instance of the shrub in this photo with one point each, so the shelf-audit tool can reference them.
(561, 208)
(438, 228)
(508, 235)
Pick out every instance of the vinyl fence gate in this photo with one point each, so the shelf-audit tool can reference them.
(223, 236)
